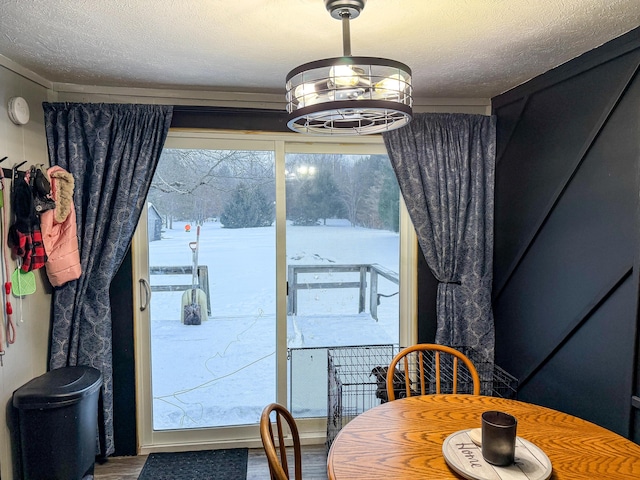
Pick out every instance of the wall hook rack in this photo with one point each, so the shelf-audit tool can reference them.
(10, 172)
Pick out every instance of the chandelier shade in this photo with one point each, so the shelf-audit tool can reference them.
(348, 95)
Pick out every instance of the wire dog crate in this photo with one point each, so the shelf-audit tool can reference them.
(357, 380)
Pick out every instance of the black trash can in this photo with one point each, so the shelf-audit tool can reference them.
(58, 420)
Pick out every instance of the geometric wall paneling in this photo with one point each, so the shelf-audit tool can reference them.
(582, 247)
(567, 236)
(545, 151)
(592, 389)
(546, 351)
(509, 114)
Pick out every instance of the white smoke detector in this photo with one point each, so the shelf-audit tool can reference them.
(18, 110)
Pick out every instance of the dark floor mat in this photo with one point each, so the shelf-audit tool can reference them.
(202, 465)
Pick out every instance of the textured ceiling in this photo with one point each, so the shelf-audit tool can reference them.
(456, 48)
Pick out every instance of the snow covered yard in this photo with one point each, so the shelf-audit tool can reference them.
(222, 371)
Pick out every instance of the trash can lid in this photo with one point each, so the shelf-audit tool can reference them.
(57, 388)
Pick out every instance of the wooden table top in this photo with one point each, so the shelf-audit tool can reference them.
(403, 439)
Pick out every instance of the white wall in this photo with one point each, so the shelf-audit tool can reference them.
(27, 357)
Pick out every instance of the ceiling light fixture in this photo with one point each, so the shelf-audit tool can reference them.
(348, 95)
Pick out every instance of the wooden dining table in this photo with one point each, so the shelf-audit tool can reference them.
(404, 439)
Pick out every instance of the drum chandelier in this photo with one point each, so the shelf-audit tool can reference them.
(348, 95)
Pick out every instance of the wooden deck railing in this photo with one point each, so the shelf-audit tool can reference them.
(294, 283)
(374, 270)
(203, 280)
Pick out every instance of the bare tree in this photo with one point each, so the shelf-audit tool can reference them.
(194, 185)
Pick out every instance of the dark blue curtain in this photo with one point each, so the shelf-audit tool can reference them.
(112, 151)
(445, 165)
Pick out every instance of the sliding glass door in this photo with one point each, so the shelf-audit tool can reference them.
(279, 250)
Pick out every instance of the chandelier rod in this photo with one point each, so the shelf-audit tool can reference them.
(346, 32)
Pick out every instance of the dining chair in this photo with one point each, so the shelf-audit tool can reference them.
(275, 443)
(429, 368)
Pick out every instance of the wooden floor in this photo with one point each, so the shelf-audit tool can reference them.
(314, 465)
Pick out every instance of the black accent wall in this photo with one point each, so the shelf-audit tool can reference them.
(124, 372)
(566, 235)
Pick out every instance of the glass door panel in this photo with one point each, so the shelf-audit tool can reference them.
(220, 372)
(342, 264)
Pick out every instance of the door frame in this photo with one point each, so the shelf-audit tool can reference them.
(312, 431)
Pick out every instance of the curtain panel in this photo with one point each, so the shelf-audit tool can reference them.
(445, 165)
(112, 151)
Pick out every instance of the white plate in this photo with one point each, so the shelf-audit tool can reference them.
(465, 457)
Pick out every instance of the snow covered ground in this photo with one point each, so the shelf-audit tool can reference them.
(222, 372)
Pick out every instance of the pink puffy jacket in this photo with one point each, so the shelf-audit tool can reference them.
(59, 230)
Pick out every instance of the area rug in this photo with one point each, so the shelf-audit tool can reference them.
(228, 464)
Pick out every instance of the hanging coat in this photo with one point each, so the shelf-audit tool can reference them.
(59, 230)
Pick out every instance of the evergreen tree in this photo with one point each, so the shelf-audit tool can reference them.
(248, 208)
(389, 202)
(303, 211)
(327, 197)
(318, 197)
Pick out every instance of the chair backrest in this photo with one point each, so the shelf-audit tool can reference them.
(428, 368)
(275, 442)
